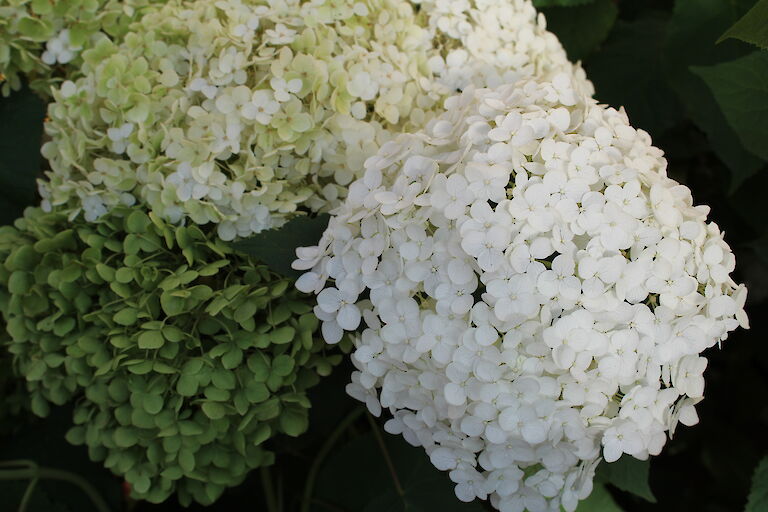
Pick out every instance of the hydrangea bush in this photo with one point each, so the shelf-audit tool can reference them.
(240, 113)
(41, 40)
(181, 356)
(536, 292)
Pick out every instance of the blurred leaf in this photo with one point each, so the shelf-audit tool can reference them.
(561, 3)
(425, 489)
(277, 247)
(599, 501)
(21, 129)
(693, 30)
(752, 27)
(569, 23)
(628, 474)
(691, 35)
(627, 72)
(740, 88)
(758, 494)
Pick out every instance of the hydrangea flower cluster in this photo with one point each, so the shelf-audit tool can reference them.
(39, 36)
(182, 357)
(536, 292)
(239, 112)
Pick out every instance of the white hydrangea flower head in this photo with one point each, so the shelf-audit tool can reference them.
(244, 112)
(533, 292)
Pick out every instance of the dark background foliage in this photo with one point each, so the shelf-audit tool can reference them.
(704, 103)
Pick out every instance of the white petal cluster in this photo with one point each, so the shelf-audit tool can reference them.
(243, 112)
(59, 49)
(533, 292)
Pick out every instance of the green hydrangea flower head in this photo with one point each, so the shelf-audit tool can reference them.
(243, 112)
(41, 40)
(182, 357)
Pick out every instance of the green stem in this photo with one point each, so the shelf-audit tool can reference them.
(385, 452)
(27, 495)
(309, 486)
(269, 493)
(35, 473)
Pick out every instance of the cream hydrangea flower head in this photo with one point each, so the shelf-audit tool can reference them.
(536, 292)
(243, 112)
(41, 40)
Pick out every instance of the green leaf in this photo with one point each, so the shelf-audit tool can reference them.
(757, 501)
(214, 410)
(125, 437)
(627, 71)
(21, 132)
(568, 25)
(425, 488)
(259, 367)
(126, 316)
(628, 474)
(691, 34)
(232, 358)
(282, 365)
(294, 421)
(171, 304)
(740, 88)
(599, 501)
(753, 27)
(283, 335)
(137, 222)
(153, 404)
(187, 460)
(277, 247)
(151, 340)
(187, 385)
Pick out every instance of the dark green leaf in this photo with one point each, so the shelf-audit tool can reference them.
(277, 247)
(627, 72)
(691, 35)
(568, 24)
(425, 489)
(150, 340)
(741, 89)
(628, 474)
(758, 494)
(214, 410)
(21, 129)
(294, 421)
(753, 27)
(599, 501)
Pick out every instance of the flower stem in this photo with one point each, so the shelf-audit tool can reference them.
(385, 452)
(309, 486)
(34, 473)
(269, 493)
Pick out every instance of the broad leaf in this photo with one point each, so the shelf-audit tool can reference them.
(599, 501)
(758, 494)
(569, 23)
(628, 474)
(21, 129)
(753, 27)
(691, 35)
(740, 88)
(627, 72)
(277, 247)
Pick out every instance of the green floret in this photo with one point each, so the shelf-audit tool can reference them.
(182, 356)
(26, 26)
